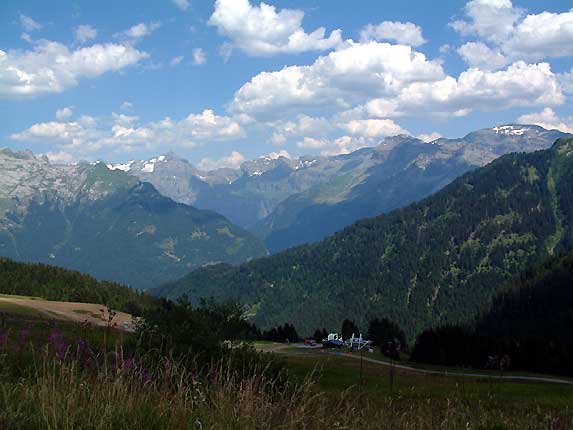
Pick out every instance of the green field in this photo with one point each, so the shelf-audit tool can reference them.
(335, 374)
(23, 311)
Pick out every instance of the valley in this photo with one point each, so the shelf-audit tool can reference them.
(286, 215)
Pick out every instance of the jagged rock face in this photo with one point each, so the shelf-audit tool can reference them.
(292, 201)
(108, 223)
(399, 171)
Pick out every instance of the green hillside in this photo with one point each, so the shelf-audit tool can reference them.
(528, 324)
(434, 262)
(55, 283)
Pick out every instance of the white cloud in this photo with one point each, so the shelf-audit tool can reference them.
(335, 146)
(199, 56)
(232, 161)
(512, 34)
(520, 85)
(346, 145)
(479, 55)
(405, 33)
(312, 143)
(278, 139)
(548, 119)
(379, 81)
(337, 81)
(543, 35)
(303, 125)
(262, 30)
(429, 137)
(175, 61)
(492, 20)
(444, 49)
(64, 112)
(373, 128)
(124, 120)
(139, 31)
(52, 68)
(83, 33)
(182, 4)
(123, 133)
(60, 157)
(29, 24)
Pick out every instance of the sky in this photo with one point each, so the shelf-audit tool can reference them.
(219, 82)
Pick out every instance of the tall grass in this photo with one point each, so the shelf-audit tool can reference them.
(78, 390)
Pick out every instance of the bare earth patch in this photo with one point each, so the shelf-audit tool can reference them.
(72, 311)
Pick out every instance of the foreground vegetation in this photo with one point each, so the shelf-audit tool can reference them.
(71, 376)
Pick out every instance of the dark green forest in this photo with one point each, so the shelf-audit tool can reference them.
(435, 262)
(54, 283)
(528, 326)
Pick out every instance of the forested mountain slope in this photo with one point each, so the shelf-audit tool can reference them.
(108, 224)
(434, 262)
(54, 283)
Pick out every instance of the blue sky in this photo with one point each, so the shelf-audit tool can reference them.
(220, 82)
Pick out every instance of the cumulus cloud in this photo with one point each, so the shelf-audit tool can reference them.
(262, 30)
(199, 56)
(29, 24)
(479, 55)
(492, 20)
(83, 33)
(543, 35)
(512, 34)
(50, 67)
(59, 157)
(124, 133)
(405, 33)
(548, 119)
(232, 161)
(380, 80)
(336, 81)
(278, 139)
(346, 145)
(64, 113)
(302, 125)
(373, 128)
(311, 142)
(138, 31)
(182, 4)
(520, 85)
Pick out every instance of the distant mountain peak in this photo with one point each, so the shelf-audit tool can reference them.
(513, 129)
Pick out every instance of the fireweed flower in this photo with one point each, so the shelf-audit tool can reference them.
(4, 338)
(23, 336)
(58, 345)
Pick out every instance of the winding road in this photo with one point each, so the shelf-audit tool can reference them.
(283, 349)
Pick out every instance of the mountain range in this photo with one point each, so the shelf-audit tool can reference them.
(434, 262)
(108, 224)
(288, 202)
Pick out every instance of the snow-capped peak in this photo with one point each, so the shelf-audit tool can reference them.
(125, 167)
(510, 130)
